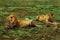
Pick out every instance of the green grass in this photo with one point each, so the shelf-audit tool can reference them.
(29, 9)
(43, 33)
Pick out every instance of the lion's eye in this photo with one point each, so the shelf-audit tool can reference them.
(11, 17)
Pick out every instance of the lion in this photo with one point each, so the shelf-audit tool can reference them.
(14, 22)
(47, 18)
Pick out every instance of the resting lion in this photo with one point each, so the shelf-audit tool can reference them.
(47, 18)
(14, 22)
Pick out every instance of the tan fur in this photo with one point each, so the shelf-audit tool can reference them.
(48, 18)
(14, 22)
(45, 18)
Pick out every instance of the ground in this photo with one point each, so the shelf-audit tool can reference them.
(29, 9)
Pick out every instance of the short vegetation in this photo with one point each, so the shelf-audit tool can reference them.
(29, 9)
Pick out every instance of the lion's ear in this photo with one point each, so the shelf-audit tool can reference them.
(15, 17)
(50, 14)
(37, 17)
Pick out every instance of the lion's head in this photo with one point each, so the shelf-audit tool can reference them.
(12, 20)
(50, 17)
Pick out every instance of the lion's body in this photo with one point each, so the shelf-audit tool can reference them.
(24, 23)
(48, 19)
(45, 18)
(14, 22)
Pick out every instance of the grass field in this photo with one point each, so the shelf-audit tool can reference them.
(29, 9)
